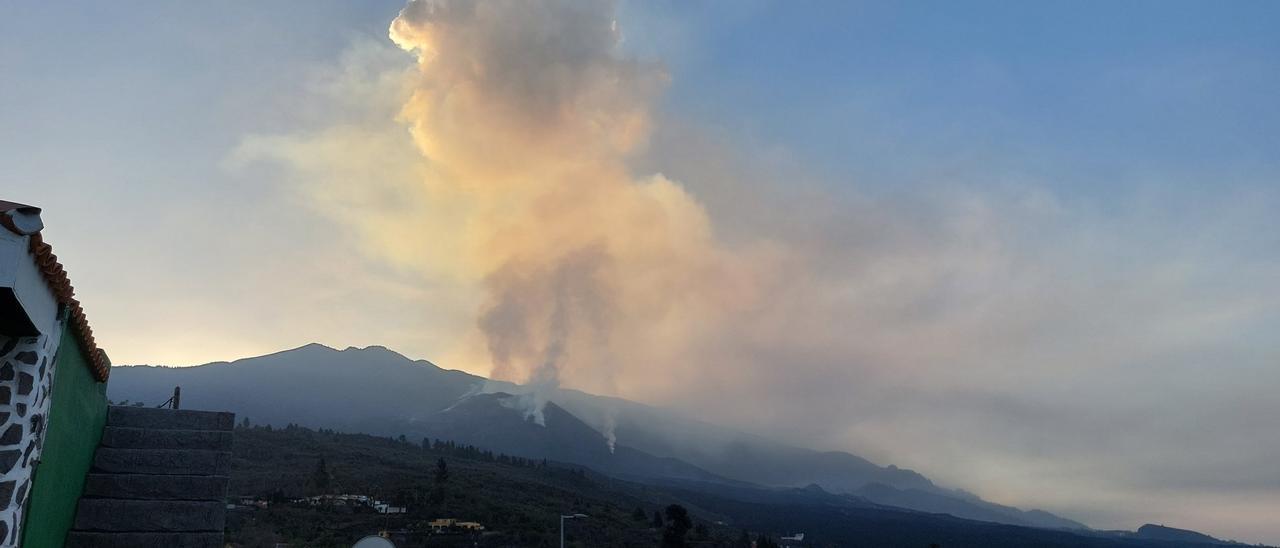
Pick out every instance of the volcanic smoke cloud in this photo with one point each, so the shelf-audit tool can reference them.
(530, 110)
(983, 329)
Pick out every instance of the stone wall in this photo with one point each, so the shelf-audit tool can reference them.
(26, 378)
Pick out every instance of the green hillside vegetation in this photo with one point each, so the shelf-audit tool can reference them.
(518, 500)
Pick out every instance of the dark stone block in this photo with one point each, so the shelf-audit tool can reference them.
(4, 417)
(22, 409)
(25, 382)
(4, 529)
(156, 487)
(169, 419)
(37, 424)
(8, 459)
(147, 438)
(6, 492)
(8, 347)
(6, 395)
(150, 515)
(12, 435)
(6, 372)
(28, 357)
(103, 539)
(162, 461)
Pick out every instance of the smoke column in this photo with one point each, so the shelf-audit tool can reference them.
(530, 111)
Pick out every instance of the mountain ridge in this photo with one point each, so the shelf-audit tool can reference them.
(379, 391)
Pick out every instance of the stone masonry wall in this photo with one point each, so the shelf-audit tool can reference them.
(26, 378)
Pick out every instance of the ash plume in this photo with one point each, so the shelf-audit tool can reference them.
(516, 218)
(530, 110)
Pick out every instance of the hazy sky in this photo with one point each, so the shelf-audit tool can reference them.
(1029, 251)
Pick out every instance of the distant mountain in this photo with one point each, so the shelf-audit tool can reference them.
(968, 508)
(758, 460)
(378, 391)
(496, 422)
(314, 385)
(845, 520)
(1160, 532)
(736, 454)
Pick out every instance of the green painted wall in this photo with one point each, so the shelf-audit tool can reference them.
(77, 414)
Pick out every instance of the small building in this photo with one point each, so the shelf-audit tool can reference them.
(253, 502)
(339, 501)
(53, 387)
(442, 524)
(793, 540)
(384, 508)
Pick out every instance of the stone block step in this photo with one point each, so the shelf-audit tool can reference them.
(169, 419)
(185, 462)
(150, 515)
(156, 487)
(87, 539)
(148, 438)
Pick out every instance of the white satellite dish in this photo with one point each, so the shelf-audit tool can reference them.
(373, 542)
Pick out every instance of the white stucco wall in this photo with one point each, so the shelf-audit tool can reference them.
(26, 380)
(20, 273)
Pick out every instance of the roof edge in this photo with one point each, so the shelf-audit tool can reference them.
(20, 219)
(60, 285)
(24, 220)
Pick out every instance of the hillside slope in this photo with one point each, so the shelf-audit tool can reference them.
(378, 391)
(518, 501)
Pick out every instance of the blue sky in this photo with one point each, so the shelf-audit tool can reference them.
(1093, 100)
(1029, 249)
(1088, 97)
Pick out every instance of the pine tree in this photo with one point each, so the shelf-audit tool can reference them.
(441, 477)
(678, 524)
(442, 471)
(657, 519)
(639, 514)
(320, 477)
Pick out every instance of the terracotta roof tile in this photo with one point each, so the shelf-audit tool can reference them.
(60, 285)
